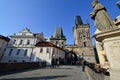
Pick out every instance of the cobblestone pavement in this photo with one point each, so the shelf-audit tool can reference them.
(61, 73)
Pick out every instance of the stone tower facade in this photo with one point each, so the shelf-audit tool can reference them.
(81, 34)
(58, 37)
(82, 47)
(82, 40)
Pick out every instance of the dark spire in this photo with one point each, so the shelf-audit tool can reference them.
(58, 33)
(78, 20)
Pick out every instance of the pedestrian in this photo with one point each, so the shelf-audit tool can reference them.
(83, 65)
(58, 63)
(52, 63)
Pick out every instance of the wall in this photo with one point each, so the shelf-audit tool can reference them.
(5, 67)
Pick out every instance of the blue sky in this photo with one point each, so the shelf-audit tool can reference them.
(45, 15)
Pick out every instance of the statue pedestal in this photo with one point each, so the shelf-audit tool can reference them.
(111, 44)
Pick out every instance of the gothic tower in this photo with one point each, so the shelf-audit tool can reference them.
(58, 37)
(82, 40)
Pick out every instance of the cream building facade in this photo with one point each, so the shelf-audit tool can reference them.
(46, 51)
(21, 45)
(3, 44)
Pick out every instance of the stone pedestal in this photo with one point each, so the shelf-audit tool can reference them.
(111, 44)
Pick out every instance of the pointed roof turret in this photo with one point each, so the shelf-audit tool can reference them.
(58, 33)
(78, 20)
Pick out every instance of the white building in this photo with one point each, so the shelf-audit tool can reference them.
(21, 45)
(46, 51)
(3, 43)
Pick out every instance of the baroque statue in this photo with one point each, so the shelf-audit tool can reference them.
(102, 21)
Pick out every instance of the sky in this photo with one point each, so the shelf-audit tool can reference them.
(45, 15)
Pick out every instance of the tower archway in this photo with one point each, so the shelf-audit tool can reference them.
(71, 58)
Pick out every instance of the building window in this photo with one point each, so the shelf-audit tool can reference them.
(47, 51)
(23, 60)
(18, 51)
(41, 50)
(28, 42)
(21, 41)
(23, 34)
(56, 43)
(53, 51)
(15, 60)
(14, 41)
(80, 36)
(9, 61)
(2, 43)
(25, 54)
(62, 43)
(105, 57)
(10, 52)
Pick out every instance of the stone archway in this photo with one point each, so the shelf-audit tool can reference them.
(71, 58)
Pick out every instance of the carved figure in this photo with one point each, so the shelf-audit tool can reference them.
(101, 18)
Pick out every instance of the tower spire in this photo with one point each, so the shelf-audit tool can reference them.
(78, 20)
(58, 33)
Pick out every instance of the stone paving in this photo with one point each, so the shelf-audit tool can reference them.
(96, 76)
(61, 73)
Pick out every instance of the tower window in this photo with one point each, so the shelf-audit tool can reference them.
(84, 44)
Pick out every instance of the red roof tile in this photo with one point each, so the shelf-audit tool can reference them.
(46, 44)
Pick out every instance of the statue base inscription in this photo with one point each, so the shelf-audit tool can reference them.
(111, 44)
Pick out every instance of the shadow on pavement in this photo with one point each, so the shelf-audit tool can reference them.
(17, 71)
(38, 78)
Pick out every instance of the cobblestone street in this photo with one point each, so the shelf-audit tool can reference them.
(62, 73)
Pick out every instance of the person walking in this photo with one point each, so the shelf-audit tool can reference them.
(58, 63)
(83, 65)
(52, 63)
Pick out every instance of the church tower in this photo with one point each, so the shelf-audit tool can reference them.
(81, 33)
(82, 40)
(58, 37)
